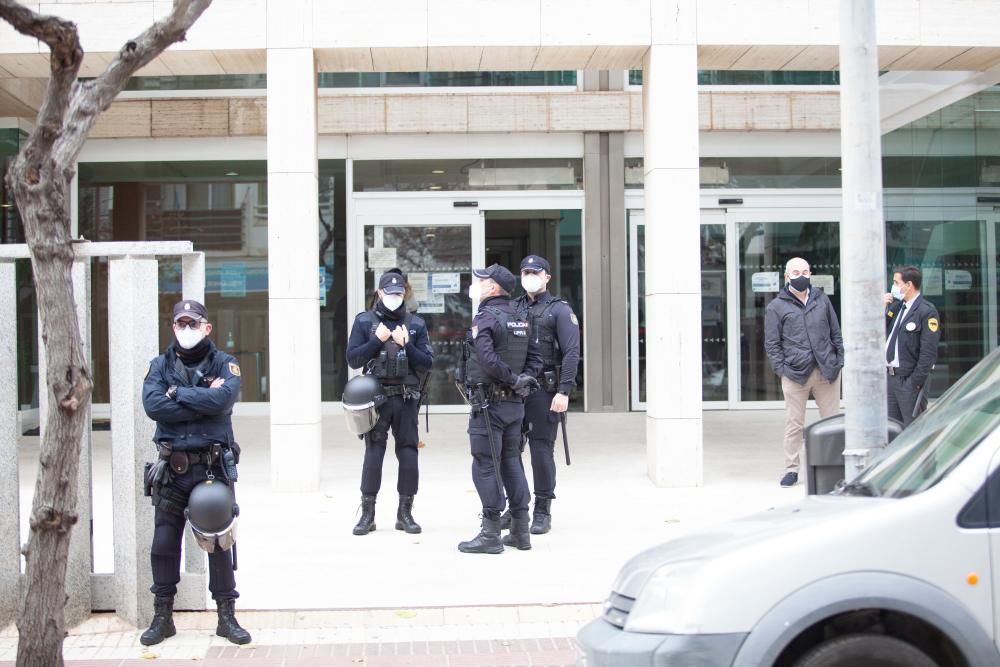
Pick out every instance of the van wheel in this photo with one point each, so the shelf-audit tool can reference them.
(865, 651)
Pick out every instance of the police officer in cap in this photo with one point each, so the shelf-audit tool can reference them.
(500, 367)
(391, 344)
(913, 328)
(556, 331)
(189, 391)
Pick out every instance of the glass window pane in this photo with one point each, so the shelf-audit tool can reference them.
(715, 378)
(450, 175)
(445, 79)
(765, 247)
(333, 278)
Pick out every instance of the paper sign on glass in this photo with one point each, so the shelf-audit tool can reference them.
(933, 283)
(824, 282)
(445, 283)
(956, 279)
(765, 281)
(419, 285)
(381, 258)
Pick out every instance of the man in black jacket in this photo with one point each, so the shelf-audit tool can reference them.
(912, 329)
(189, 391)
(803, 342)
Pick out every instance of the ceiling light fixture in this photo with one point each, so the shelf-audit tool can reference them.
(232, 173)
(437, 171)
(434, 187)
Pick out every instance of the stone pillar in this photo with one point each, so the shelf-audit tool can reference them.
(293, 248)
(80, 564)
(673, 267)
(10, 538)
(132, 315)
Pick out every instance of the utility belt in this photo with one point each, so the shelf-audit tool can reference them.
(158, 485)
(181, 462)
(549, 379)
(408, 392)
(481, 395)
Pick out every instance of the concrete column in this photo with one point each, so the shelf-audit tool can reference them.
(10, 538)
(132, 314)
(293, 248)
(80, 565)
(673, 267)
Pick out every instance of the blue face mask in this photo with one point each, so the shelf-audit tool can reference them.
(897, 292)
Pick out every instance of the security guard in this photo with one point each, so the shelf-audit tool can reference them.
(501, 363)
(913, 329)
(391, 344)
(189, 391)
(556, 330)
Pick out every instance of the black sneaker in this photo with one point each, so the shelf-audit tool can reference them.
(790, 479)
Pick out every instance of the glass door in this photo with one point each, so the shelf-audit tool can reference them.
(437, 259)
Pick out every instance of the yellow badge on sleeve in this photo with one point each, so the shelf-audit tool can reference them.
(932, 324)
(234, 369)
(890, 313)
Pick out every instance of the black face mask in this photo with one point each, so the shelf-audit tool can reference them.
(800, 283)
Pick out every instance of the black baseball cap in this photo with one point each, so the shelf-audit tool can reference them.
(191, 309)
(499, 274)
(392, 283)
(535, 264)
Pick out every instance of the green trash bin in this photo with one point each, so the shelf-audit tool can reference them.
(824, 452)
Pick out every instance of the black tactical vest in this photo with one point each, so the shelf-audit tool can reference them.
(543, 328)
(391, 365)
(510, 343)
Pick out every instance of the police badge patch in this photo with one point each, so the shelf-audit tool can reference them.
(475, 331)
(932, 324)
(234, 369)
(572, 318)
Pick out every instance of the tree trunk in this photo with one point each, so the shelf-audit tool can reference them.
(40, 180)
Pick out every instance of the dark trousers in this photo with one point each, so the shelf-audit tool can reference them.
(402, 416)
(902, 397)
(505, 421)
(541, 440)
(165, 554)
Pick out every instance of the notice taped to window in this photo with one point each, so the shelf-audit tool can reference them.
(765, 281)
(381, 258)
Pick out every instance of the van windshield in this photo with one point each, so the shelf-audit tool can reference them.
(938, 441)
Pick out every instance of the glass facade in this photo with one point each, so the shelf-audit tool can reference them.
(450, 175)
(727, 77)
(444, 79)
(753, 172)
(333, 277)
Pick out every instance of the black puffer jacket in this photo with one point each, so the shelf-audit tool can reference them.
(798, 338)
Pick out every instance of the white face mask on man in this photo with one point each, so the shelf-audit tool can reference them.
(532, 283)
(188, 338)
(392, 301)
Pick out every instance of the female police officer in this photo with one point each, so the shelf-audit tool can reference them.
(391, 344)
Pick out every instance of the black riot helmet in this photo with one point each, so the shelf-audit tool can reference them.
(362, 398)
(212, 512)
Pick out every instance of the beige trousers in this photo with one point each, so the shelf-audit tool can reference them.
(827, 395)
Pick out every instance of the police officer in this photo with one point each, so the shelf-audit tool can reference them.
(499, 371)
(391, 344)
(189, 391)
(913, 328)
(556, 331)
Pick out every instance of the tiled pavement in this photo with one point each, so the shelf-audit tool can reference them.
(429, 637)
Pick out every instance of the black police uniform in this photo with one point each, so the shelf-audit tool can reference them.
(556, 331)
(912, 333)
(500, 349)
(401, 372)
(196, 424)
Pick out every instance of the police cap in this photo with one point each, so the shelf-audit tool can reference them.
(190, 309)
(534, 263)
(498, 274)
(392, 283)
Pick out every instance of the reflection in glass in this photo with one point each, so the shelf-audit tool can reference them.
(445, 79)
(448, 175)
(333, 278)
(765, 247)
(438, 264)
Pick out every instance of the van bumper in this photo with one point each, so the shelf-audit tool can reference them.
(605, 645)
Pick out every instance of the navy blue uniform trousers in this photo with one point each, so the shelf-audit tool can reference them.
(505, 421)
(402, 417)
(165, 554)
(541, 440)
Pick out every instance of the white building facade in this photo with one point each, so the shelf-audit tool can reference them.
(667, 157)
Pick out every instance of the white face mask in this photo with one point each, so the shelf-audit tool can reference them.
(897, 292)
(532, 283)
(188, 338)
(475, 290)
(392, 301)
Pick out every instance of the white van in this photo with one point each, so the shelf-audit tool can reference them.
(900, 568)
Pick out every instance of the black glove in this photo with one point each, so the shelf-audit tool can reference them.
(159, 474)
(525, 384)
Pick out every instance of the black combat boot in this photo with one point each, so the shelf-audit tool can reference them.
(488, 539)
(366, 523)
(519, 536)
(228, 626)
(505, 520)
(163, 622)
(541, 520)
(404, 516)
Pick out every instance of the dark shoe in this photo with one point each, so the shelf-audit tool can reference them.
(790, 479)
(404, 516)
(541, 520)
(505, 520)
(366, 523)
(163, 622)
(487, 541)
(228, 626)
(519, 536)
